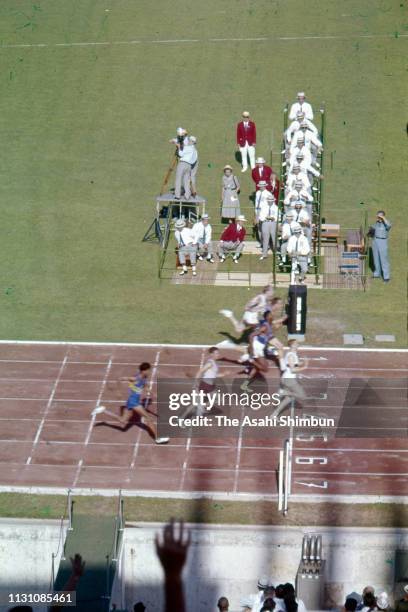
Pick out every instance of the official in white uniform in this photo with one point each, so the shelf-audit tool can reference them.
(296, 174)
(295, 126)
(299, 251)
(203, 233)
(301, 106)
(298, 192)
(186, 246)
(302, 217)
(286, 233)
(268, 217)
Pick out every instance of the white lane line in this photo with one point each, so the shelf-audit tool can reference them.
(47, 409)
(188, 441)
(187, 346)
(385, 368)
(139, 433)
(108, 43)
(392, 451)
(92, 421)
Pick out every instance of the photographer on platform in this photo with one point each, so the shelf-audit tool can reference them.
(186, 167)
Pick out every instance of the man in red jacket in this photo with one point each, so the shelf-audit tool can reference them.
(232, 239)
(262, 172)
(246, 140)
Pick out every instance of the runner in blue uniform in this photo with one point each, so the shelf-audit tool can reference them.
(137, 402)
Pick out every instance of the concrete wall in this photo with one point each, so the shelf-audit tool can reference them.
(222, 561)
(228, 561)
(26, 549)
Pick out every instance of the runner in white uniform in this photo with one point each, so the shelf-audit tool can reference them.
(290, 389)
(254, 310)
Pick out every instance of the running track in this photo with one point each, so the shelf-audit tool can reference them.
(48, 441)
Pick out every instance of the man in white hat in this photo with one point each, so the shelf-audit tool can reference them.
(305, 167)
(302, 106)
(202, 233)
(246, 140)
(311, 138)
(300, 148)
(188, 157)
(181, 135)
(187, 246)
(297, 192)
(302, 217)
(296, 174)
(260, 196)
(298, 250)
(233, 239)
(262, 172)
(295, 126)
(286, 233)
(268, 217)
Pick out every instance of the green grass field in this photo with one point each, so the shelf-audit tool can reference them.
(84, 131)
(161, 510)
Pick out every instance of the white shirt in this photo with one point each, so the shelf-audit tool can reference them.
(260, 196)
(286, 230)
(295, 127)
(211, 370)
(185, 237)
(304, 150)
(268, 209)
(298, 245)
(306, 167)
(188, 154)
(301, 194)
(310, 138)
(257, 304)
(287, 364)
(304, 108)
(302, 176)
(302, 216)
(202, 233)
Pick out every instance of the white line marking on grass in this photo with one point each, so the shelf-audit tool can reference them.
(108, 43)
(93, 417)
(139, 433)
(47, 409)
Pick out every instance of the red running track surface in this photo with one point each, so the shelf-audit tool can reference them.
(47, 393)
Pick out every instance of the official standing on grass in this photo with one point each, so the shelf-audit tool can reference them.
(229, 195)
(379, 233)
(268, 218)
(246, 141)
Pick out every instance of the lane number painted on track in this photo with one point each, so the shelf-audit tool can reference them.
(304, 437)
(311, 460)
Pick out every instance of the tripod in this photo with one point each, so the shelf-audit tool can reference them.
(173, 164)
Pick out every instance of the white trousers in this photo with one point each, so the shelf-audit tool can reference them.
(247, 151)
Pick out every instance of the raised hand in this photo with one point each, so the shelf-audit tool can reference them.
(171, 548)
